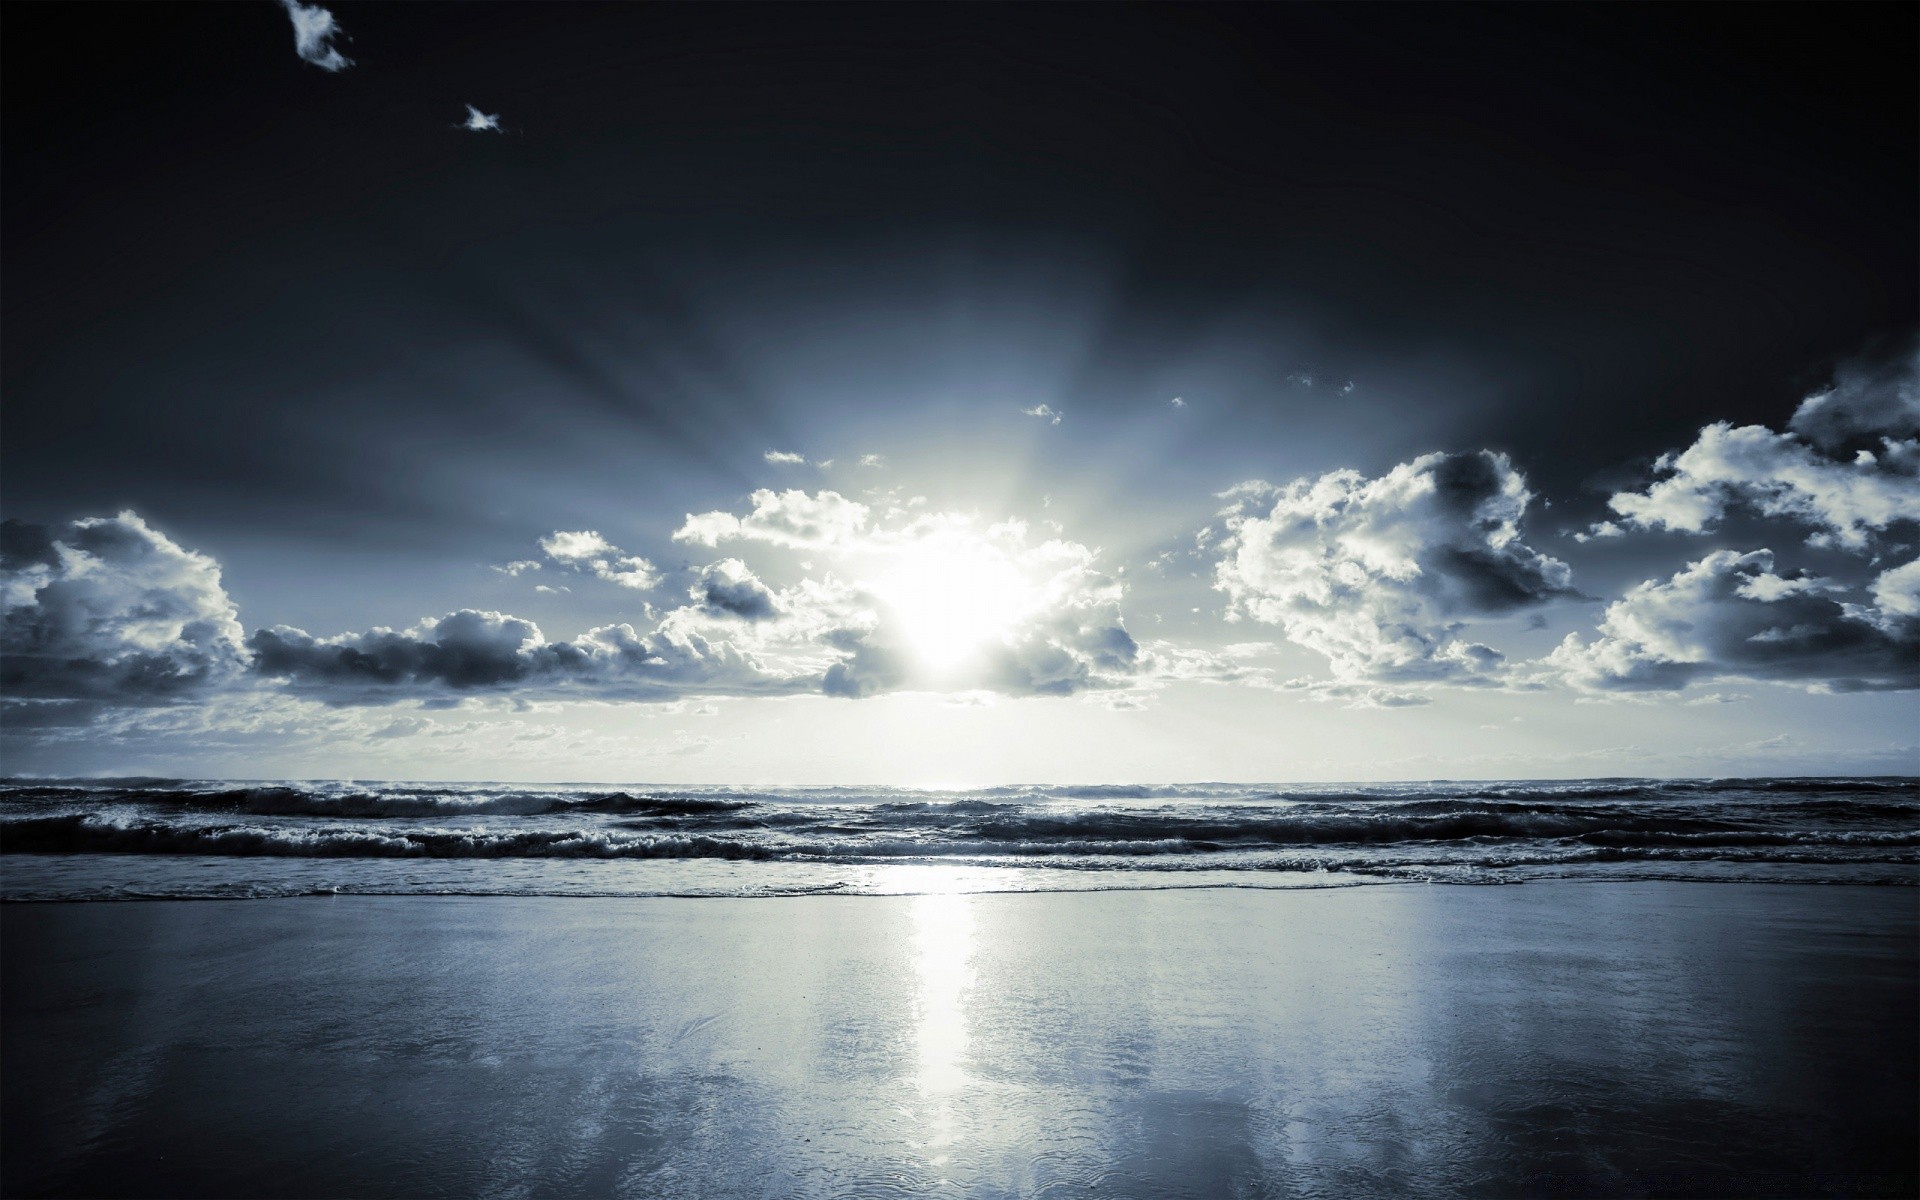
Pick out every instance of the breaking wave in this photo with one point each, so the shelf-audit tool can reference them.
(1864, 829)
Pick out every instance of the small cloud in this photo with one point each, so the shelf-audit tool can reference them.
(872, 460)
(1177, 402)
(585, 550)
(480, 122)
(1300, 379)
(1045, 412)
(1605, 529)
(1346, 388)
(551, 591)
(517, 567)
(784, 457)
(313, 32)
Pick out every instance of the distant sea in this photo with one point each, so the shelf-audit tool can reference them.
(106, 839)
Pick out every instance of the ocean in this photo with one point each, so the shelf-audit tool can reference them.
(107, 839)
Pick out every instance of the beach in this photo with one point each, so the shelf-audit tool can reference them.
(1577, 1038)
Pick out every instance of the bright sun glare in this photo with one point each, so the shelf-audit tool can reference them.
(951, 597)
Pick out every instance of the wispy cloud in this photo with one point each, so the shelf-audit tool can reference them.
(785, 458)
(313, 32)
(480, 122)
(1045, 412)
(1177, 402)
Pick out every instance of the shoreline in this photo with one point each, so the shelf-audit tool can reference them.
(1631, 1038)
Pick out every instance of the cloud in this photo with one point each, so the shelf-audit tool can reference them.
(1356, 695)
(784, 457)
(313, 32)
(917, 600)
(471, 651)
(1822, 473)
(872, 460)
(106, 613)
(1379, 574)
(728, 588)
(1870, 397)
(109, 608)
(517, 567)
(791, 518)
(1045, 412)
(480, 122)
(999, 615)
(1177, 402)
(1729, 615)
(586, 551)
(1778, 475)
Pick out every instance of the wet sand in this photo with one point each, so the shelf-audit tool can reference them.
(1573, 1039)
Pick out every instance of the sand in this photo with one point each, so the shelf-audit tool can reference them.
(1581, 1039)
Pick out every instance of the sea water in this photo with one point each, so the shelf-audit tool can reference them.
(170, 838)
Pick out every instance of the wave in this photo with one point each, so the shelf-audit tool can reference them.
(1474, 841)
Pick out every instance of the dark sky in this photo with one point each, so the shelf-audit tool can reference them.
(364, 359)
(234, 279)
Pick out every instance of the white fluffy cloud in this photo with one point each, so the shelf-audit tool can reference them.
(479, 122)
(1779, 475)
(313, 32)
(1379, 574)
(110, 608)
(586, 551)
(1731, 615)
(1045, 412)
(1848, 467)
(793, 518)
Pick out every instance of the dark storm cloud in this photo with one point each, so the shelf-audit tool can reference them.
(1379, 574)
(1730, 615)
(109, 608)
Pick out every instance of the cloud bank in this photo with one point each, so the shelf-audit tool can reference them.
(1731, 615)
(474, 652)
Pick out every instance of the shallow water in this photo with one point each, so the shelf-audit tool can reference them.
(1586, 1039)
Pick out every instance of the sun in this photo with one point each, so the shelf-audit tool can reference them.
(950, 597)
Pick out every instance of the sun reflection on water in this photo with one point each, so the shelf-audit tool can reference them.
(943, 951)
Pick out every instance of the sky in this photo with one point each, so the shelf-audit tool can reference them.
(952, 395)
